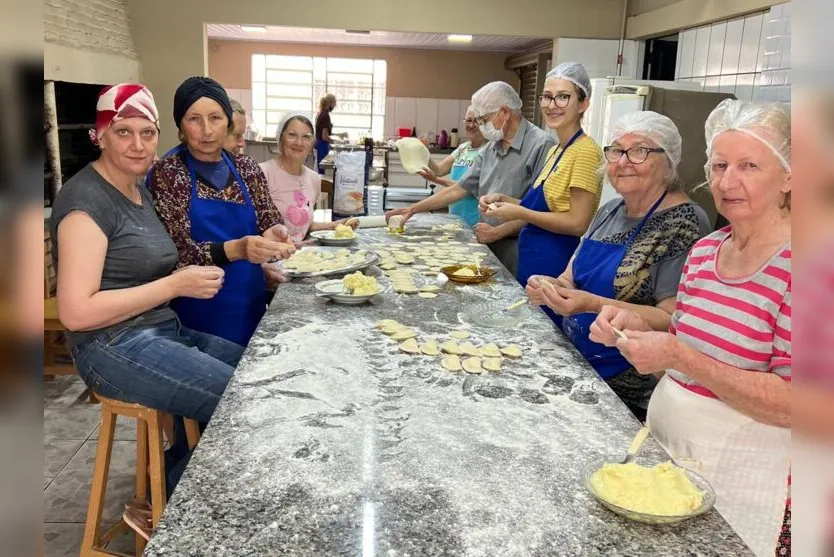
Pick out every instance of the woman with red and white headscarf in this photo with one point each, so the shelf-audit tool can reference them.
(115, 264)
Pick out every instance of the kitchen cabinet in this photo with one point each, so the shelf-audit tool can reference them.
(261, 151)
(404, 189)
(398, 177)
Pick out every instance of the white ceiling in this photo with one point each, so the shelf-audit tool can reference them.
(492, 43)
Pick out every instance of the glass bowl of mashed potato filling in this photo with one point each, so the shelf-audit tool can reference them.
(661, 494)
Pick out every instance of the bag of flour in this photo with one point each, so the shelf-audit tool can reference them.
(349, 186)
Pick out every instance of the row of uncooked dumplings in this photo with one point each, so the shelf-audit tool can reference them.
(487, 357)
(428, 261)
(403, 283)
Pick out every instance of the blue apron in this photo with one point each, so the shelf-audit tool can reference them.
(541, 252)
(466, 208)
(234, 313)
(594, 269)
(322, 150)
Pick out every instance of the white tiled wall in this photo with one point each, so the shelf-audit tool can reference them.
(774, 82)
(427, 115)
(748, 56)
(699, 57)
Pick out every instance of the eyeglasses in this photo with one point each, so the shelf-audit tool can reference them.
(295, 138)
(470, 122)
(635, 155)
(481, 120)
(561, 100)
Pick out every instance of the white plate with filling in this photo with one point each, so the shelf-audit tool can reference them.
(335, 290)
(330, 238)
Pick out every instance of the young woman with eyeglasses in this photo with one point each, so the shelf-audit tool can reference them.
(294, 188)
(634, 251)
(559, 205)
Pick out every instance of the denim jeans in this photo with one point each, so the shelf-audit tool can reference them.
(166, 367)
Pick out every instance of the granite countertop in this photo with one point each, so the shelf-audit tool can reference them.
(331, 442)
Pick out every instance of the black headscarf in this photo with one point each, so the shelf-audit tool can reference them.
(192, 89)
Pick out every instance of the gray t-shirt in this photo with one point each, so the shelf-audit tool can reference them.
(139, 249)
(511, 173)
(661, 248)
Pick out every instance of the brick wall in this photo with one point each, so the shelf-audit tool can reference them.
(93, 25)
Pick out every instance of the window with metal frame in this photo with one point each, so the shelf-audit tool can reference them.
(296, 83)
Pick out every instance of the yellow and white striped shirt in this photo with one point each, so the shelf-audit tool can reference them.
(577, 169)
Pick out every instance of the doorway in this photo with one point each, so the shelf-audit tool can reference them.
(661, 57)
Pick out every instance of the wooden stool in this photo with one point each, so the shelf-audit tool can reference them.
(57, 359)
(54, 346)
(149, 463)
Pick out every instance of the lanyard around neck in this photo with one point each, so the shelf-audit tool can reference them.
(570, 142)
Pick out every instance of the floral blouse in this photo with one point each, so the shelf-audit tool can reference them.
(170, 187)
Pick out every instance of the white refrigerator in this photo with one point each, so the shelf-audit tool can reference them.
(613, 97)
(684, 103)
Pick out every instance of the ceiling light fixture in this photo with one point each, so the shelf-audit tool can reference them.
(253, 28)
(459, 38)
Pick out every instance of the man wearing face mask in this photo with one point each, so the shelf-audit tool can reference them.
(511, 161)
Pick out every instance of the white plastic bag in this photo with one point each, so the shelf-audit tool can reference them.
(349, 189)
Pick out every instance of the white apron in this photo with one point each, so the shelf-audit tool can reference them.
(746, 462)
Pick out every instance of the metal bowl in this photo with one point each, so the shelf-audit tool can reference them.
(328, 238)
(371, 258)
(375, 174)
(334, 290)
(482, 274)
(645, 518)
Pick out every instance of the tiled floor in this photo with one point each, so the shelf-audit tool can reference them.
(70, 427)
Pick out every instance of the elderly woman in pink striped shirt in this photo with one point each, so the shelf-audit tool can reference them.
(723, 405)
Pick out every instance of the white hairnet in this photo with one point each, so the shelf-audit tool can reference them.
(282, 125)
(657, 127)
(768, 122)
(573, 72)
(493, 96)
